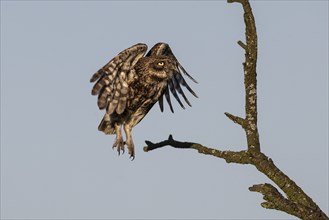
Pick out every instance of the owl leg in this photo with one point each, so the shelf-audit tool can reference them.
(118, 139)
(129, 141)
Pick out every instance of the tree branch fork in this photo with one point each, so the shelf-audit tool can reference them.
(295, 201)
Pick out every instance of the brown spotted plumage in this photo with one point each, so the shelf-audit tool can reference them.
(131, 83)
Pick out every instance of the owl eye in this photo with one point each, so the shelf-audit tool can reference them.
(160, 63)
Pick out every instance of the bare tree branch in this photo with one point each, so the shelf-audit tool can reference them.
(295, 201)
(241, 157)
(275, 200)
(236, 119)
(242, 45)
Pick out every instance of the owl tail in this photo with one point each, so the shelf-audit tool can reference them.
(106, 125)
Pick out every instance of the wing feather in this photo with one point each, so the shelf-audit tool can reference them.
(173, 91)
(167, 95)
(161, 103)
(111, 86)
(182, 81)
(179, 89)
(185, 72)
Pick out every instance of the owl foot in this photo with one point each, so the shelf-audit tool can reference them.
(119, 144)
(131, 148)
(129, 141)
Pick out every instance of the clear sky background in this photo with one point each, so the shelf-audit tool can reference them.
(56, 164)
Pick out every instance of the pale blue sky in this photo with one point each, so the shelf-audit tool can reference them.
(56, 164)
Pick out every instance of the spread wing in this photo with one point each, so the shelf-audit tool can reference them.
(176, 81)
(111, 86)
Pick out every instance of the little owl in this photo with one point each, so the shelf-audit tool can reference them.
(131, 83)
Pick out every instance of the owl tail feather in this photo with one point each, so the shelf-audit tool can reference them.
(106, 125)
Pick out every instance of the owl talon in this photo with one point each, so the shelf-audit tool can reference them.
(119, 144)
(131, 149)
(132, 155)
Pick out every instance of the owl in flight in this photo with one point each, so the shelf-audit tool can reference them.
(131, 83)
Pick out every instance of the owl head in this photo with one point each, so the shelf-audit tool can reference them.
(157, 67)
(160, 67)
